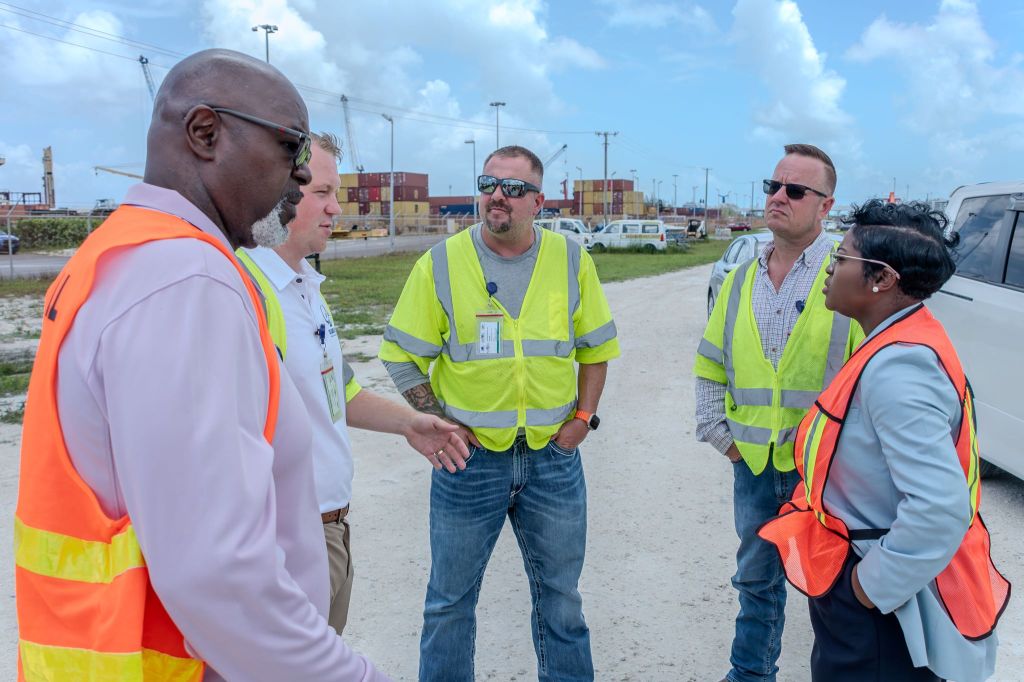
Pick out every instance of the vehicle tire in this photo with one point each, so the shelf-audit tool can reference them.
(598, 247)
(711, 303)
(989, 470)
(650, 248)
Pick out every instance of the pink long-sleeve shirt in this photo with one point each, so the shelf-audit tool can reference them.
(162, 392)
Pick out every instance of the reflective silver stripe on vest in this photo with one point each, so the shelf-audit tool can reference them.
(464, 352)
(758, 435)
(471, 351)
(711, 352)
(603, 334)
(756, 397)
(347, 373)
(443, 289)
(504, 419)
(749, 434)
(732, 311)
(410, 344)
(546, 349)
(799, 399)
(555, 415)
(836, 348)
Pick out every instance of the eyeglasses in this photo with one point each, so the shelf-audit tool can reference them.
(793, 191)
(510, 187)
(840, 257)
(302, 154)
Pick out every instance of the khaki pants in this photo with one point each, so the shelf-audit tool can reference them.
(339, 562)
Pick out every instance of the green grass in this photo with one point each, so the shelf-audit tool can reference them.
(27, 286)
(14, 377)
(617, 266)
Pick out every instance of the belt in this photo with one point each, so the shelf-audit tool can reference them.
(335, 516)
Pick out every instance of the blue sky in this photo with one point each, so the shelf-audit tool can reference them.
(929, 92)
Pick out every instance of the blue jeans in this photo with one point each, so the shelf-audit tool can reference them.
(759, 577)
(544, 495)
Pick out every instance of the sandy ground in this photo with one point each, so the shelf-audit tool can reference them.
(661, 543)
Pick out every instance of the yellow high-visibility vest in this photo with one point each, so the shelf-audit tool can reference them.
(764, 406)
(530, 382)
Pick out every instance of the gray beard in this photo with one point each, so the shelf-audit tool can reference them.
(269, 231)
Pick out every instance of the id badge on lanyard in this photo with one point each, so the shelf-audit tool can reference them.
(329, 379)
(488, 324)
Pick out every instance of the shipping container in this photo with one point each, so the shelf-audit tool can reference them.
(410, 193)
(455, 209)
(364, 208)
(349, 179)
(411, 180)
(352, 194)
(588, 186)
(375, 194)
(374, 208)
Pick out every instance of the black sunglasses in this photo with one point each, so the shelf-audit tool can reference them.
(793, 191)
(510, 187)
(302, 154)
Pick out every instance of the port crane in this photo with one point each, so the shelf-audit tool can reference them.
(350, 135)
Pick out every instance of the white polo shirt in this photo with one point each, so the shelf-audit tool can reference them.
(304, 312)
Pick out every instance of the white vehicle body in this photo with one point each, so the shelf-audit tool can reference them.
(624, 234)
(982, 309)
(570, 228)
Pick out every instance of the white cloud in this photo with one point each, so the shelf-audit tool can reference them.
(950, 70)
(643, 14)
(771, 37)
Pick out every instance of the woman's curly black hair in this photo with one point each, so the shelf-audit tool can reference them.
(911, 238)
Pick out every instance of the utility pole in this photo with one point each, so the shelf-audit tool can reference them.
(473, 193)
(632, 171)
(605, 186)
(657, 201)
(675, 191)
(267, 30)
(497, 123)
(752, 197)
(581, 190)
(654, 191)
(693, 199)
(707, 218)
(391, 203)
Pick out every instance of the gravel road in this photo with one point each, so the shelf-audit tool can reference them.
(661, 543)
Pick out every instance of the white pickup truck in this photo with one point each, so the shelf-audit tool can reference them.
(570, 228)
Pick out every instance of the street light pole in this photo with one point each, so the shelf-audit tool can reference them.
(473, 192)
(391, 203)
(657, 201)
(267, 29)
(675, 192)
(497, 123)
(581, 190)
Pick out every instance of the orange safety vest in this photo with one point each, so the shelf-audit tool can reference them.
(814, 545)
(86, 608)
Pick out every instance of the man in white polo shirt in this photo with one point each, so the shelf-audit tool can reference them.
(307, 340)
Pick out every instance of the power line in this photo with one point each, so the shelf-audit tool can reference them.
(410, 114)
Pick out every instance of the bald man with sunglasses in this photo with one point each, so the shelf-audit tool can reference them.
(504, 312)
(753, 387)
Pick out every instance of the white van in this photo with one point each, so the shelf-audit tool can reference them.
(982, 309)
(570, 228)
(624, 234)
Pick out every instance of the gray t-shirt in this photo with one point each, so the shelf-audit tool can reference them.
(511, 276)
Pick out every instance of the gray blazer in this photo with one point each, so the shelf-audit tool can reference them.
(896, 467)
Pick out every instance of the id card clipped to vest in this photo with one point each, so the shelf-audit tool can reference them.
(489, 332)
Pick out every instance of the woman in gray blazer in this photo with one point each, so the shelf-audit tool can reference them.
(897, 479)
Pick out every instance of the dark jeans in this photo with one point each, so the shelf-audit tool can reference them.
(855, 644)
(759, 578)
(544, 496)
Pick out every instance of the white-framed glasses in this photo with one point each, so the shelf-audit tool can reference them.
(835, 258)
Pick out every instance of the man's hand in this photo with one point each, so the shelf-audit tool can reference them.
(571, 434)
(438, 440)
(733, 454)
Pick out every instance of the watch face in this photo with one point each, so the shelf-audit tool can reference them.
(595, 421)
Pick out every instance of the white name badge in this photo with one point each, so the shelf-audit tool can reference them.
(489, 333)
(331, 387)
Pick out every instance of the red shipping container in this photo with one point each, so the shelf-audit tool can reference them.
(353, 194)
(406, 193)
(363, 194)
(411, 180)
(375, 194)
(364, 208)
(365, 179)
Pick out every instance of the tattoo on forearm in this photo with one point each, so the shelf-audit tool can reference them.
(422, 398)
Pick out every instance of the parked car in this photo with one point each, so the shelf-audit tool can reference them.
(623, 234)
(742, 249)
(739, 227)
(570, 228)
(9, 243)
(982, 309)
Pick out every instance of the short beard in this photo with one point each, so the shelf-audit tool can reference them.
(269, 231)
(502, 227)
